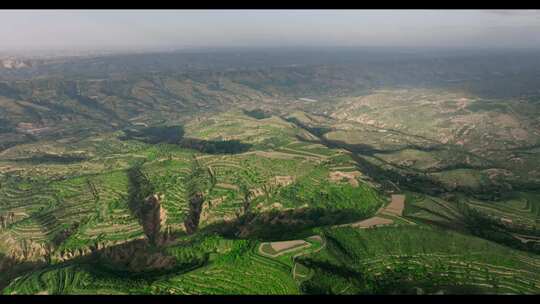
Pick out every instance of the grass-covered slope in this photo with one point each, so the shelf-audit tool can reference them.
(417, 259)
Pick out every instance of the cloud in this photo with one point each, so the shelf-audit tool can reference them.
(130, 30)
(502, 12)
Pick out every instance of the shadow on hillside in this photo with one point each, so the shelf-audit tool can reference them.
(133, 261)
(175, 135)
(257, 113)
(396, 280)
(215, 146)
(10, 269)
(141, 260)
(369, 150)
(139, 188)
(145, 205)
(278, 225)
(49, 159)
(155, 135)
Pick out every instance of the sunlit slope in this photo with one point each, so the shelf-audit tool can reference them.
(71, 200)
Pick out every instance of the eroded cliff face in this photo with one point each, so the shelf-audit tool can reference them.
(195, 208)
(25, 250)
(18, 256)
(136, 256)
(28, 251)
(153, 218)
(7, 219)
(198, 183)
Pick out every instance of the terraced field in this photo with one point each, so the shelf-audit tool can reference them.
(518, 208)
(79, 214)
(418, 259)
(248, 273)
(512, 221)
(73, 279)
(201, 196)
(432, 209)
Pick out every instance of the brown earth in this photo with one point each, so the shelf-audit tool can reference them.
(153, 217)
(317, 238)
(280, 246)
(519, 134)
(397, 205)
(338, 176)
(371, 222)
(283, 180)
(227, 186)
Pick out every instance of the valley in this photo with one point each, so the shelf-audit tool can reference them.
(232, 178)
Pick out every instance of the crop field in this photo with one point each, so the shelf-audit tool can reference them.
(373, 222)
(515, 211)
(245, 273)
(418, 258)
(396, 205)
(232, 266)
(76, 212)
(278, 248)
(432, 209)
(230, 259)
(517, 208)
(73, 279)
(267, 133)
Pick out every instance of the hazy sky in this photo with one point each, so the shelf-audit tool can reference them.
(143, 29)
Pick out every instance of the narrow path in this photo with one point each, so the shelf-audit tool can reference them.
(294, 274)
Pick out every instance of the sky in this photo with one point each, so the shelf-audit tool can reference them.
(134, 30)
